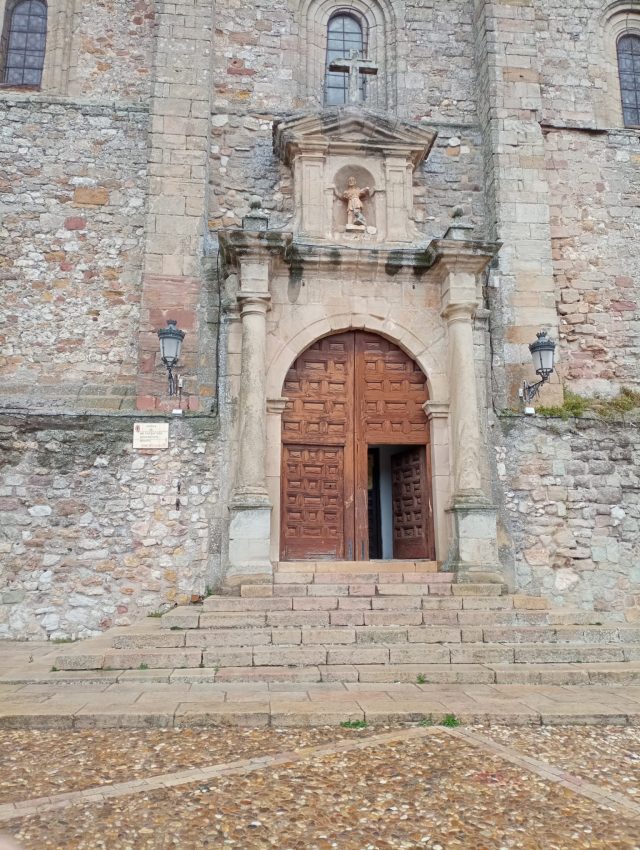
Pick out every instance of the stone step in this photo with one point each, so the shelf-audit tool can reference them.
(420, 674)
(338, 597)
(435, 611)
(368, 588)
(266, 654)
(355, 567)
(288, 577)
(360, 633)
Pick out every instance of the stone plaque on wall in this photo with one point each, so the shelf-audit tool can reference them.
(151, 435)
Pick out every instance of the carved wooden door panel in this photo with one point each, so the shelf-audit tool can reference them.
(317, 513)
(313, 496)
(411, 504)
(390, 391)
(345, 392)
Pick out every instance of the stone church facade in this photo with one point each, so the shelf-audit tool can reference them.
(437, 182)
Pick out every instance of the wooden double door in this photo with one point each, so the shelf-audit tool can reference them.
(349, 395)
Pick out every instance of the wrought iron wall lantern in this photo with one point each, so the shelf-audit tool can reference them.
(170, 344)
(543, 355)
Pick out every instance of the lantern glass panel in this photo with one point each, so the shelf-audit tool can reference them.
(536, 356)
(170, 346)
(546, 359)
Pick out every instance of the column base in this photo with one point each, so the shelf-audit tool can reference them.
(249, 544)
(474, 551)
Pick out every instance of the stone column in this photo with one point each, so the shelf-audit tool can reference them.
(465, 424)
(251, 485)
(438, 417)
(474, 549)
(250, 508)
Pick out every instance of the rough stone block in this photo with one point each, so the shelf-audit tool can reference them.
(434, 634)
(378, 635)
(129, 660)
(419, 653)
(284, 635)
(392, 603)
(283, 656)
(347, 618)
(358, 655)
(328, 636)
(467, 653)
(567, 653)
(229, 637)
(298, 618)
(222, 657)
(354, 603)
(181, 620)
(393, 618)
(317, 603)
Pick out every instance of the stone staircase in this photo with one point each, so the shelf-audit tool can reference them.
(369, 622)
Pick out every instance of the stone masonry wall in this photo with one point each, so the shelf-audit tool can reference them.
(258, 51)
(72, 200)
(594, 183)
(571, 495)
(111, 51)
(95, 533)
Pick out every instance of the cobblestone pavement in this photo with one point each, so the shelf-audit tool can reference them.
(476, 788)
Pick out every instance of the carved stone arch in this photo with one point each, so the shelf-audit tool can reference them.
(380, 21)
(404, 338)
(621, 17)
(424, 355)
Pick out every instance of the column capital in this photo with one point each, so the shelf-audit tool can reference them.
(462, 312)
(277, 405)
(469, 256)
(254, 303)
(436, 409)
(259, 246)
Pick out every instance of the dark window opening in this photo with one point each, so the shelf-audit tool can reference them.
(629, 73)
(23, 43)
(344, 34)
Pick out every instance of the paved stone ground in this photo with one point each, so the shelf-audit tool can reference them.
(477, 788)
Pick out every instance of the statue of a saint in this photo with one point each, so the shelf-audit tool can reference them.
(353, 196)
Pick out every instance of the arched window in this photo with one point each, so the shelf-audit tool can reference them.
(23, 43)
(629, 73)
(344, 34)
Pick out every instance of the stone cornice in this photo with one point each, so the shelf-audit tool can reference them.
(348, 130)
(463, 255)
(237, 245)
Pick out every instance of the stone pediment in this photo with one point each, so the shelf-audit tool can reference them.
(347, 130)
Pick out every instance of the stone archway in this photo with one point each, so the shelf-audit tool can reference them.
(356, 453)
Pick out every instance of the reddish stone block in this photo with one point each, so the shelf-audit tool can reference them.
(75, 222)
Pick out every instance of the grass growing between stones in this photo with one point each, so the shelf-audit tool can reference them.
(449, 720)
(354, 724)
(575, 405)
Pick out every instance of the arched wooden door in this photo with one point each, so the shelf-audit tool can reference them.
(347, 393)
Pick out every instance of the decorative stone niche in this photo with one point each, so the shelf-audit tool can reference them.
(335, 152)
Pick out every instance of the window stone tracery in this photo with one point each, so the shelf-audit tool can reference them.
(377, 21)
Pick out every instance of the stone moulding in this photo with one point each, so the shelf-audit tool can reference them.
(349, 129)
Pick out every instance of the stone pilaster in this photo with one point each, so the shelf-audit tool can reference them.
(510, 105)
(251, 255)
(474, 549)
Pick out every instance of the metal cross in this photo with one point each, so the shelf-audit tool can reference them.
(354, 66)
